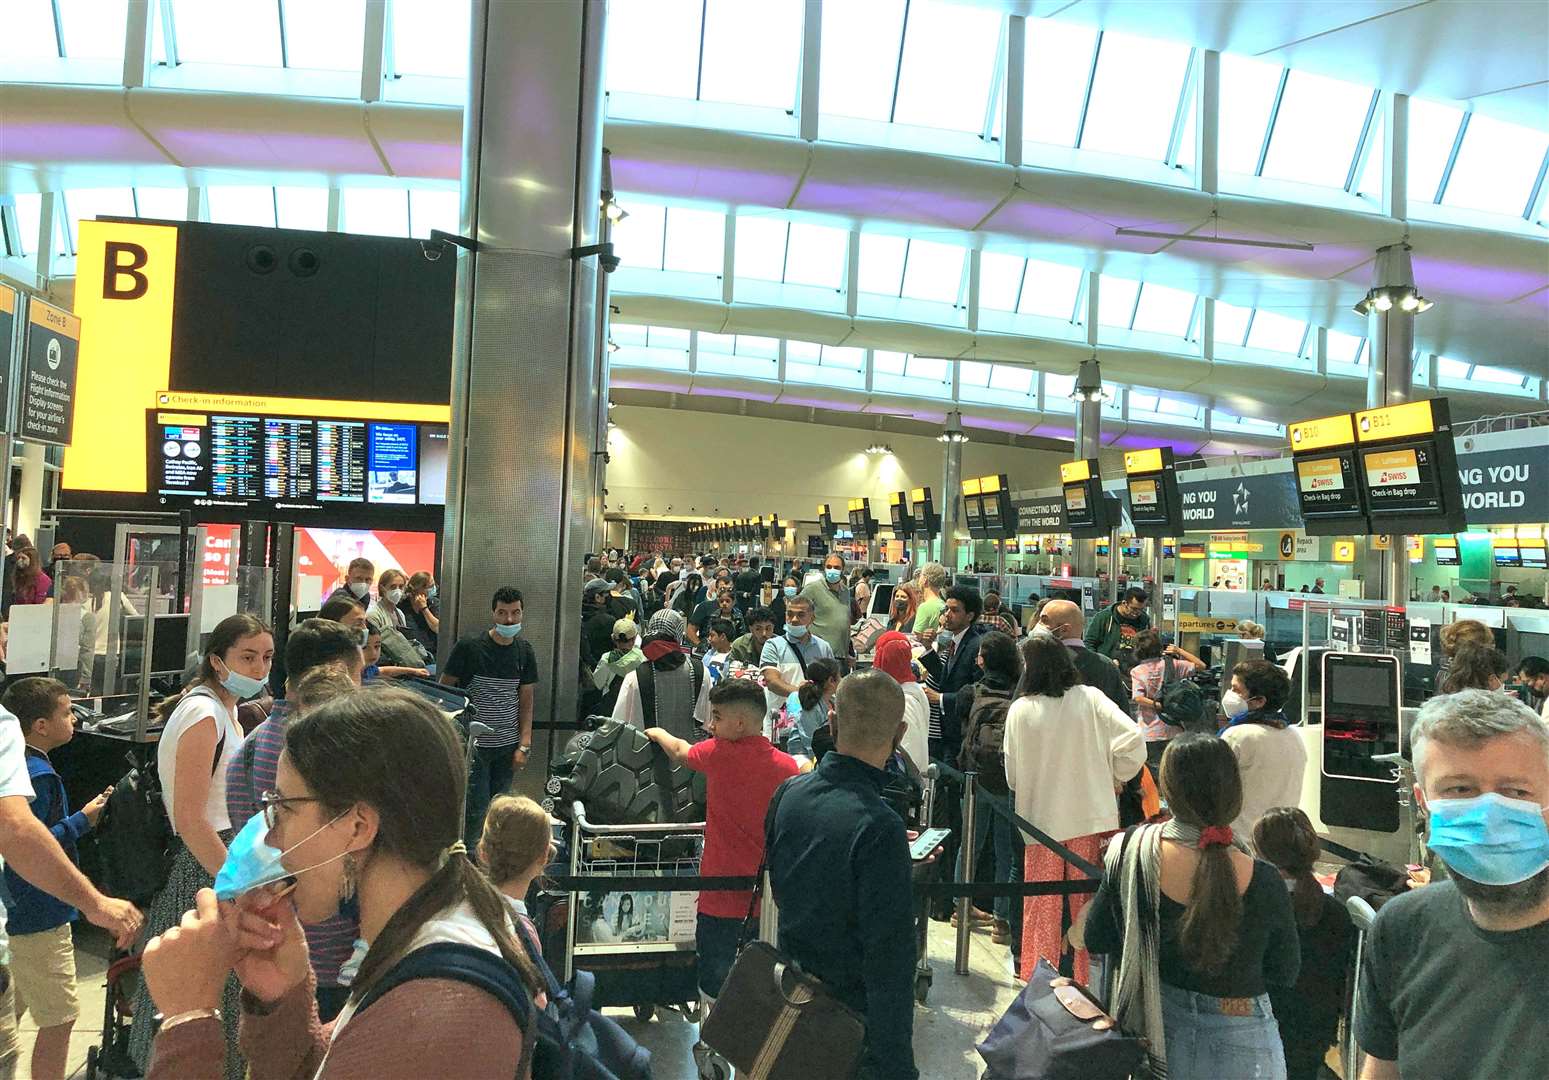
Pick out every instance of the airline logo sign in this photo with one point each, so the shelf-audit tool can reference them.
(1320, 475)
(1392, 469)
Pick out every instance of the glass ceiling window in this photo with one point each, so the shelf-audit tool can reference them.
(933, 271)
(1163, 310)
(1450, 370)
(1248, 89)
(696, 241)
(168, 204)
(1273, 331)
(1116, 301)
(1497, 166)
(1059, 62)
(653, 47)
(1433, 128)
(1344, 348)
(1000, 279)
(327, 35)
(376, 211)
(301, 207)
(1056, 392)
(637, 239)
(92, 29)
(816, 255)
(760, 248)
(1050, 290)
(430, 209)
(882, 263)
(29, 31)
(1135, 94)
(752, 52)
(941, 38)
(1317, 129)
(1231, 323)
(860, 52)
(232, 32)
(430, 37)
(241, 205)
(84, 204)
(1012, 380)
(1220, 421)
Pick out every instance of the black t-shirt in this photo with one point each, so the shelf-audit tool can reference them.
(493, 675)
(1447, 999)
(1308, 1013)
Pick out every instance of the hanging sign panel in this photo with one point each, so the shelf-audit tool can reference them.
(8, 303)
(47, 413)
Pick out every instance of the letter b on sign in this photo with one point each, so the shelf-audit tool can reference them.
(121, 276)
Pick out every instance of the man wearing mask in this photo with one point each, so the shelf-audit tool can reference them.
(1063, 621)
(1452, 972)
(1114, 629)
(598, 615)
(499, 669)
(746, 582)
(831, 606)
(357, 581)
(785, 659)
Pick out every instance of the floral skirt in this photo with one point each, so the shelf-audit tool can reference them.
(1044, 921)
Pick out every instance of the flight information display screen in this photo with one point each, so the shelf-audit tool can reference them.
(1147, 505)
(1327, 486)
(185, 454)
(341, 461)
(1402, 479)
(289, 471)
(235, 448)
(1080, 510)
(989, 509)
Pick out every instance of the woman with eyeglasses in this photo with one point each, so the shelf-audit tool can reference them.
(368, 802)
(200, 741)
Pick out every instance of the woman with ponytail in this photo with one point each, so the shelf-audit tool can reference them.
(1201, 928)
(1308, 1013)
(368, 802)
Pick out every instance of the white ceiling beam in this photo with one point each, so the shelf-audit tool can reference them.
(1016, 76)
(137, 43)
(1207, 124)
(374, 51)
(811, 60)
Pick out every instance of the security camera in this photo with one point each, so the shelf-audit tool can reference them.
(609, 262)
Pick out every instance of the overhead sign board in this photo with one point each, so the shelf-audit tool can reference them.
(46, 413)
(1408, 468)
(8, 305)
(1155, 505)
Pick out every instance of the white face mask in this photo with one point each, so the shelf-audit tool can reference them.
(393, 596)
(1232, 704)
(360, 589)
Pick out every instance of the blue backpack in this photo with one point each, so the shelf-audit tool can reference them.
(572, 1040)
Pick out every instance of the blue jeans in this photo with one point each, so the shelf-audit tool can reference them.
(992, 828)
(1205, 1044)
(715, 943)
(490, 776)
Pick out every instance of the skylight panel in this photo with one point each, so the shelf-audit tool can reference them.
(760, 250)
(1496, 375)
(933, 271)
(29, 212)
(1116, 301)
(326, 35)
(1163, 310)
(241, 205)
(1317, 130)
(884, 362)
(767, 348)
(302, 208)
(1178, 407)
(816, 255)
(628, 333)
(431, 208)
(1247, 96)
(1231, 323)
(653, 47)
(430, 37)
(1496, 167)
(1433, 128)
(752, 52)
(1344, 348)
(1058, 62)
(167, 204)
(92, 29)
(29, 35)
(930, 368)
(973, 373)
(377, 211)
(1013, 380)
(637, 239)
(1450, 369)
(882, 263)
(724, 344)
(948, 64)
(859, 65)
(843, 358)
(668, 337)
(696, 241)
(231, 32)
(1049, 289)
(83, 204)
(1134, 95)
(1000, 278)
(806, 352)
(1058, 387)
(1273, 331)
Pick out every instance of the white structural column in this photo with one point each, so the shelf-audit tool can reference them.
(811, 55)
(137, 43)
(525, 392)
(1016, 80)
(1089, 420)
(1207, 123)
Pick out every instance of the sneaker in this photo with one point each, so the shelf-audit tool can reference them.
(976, 918)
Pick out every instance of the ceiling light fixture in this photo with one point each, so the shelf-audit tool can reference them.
(953, 432)
(879, 448)
(1089, 383)
(1394, 277)
(613, 346)
(612, 210)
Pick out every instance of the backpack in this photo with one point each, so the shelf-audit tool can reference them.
(645, 680)
(566, 1040)
(1372, 880)
(1183, 705)
(983, 745)
(135, 841)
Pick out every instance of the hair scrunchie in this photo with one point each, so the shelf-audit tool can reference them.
(1215, 836)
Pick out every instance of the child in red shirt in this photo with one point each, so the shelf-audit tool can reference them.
(742, 769)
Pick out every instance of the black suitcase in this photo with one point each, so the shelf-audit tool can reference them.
(623, 778)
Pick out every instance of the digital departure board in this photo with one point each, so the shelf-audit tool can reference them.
(235, 446)
(1408, 468)
(341, 461)
(289, 471)
(185, 454)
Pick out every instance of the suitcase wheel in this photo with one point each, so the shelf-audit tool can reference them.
(715, 1068)
(645, 1013)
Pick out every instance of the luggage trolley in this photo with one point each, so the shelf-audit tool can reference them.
(639, 944)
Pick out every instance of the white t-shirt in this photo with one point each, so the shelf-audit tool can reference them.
(1273, 762)
(13, 781)
(197, 705)
(916, 725)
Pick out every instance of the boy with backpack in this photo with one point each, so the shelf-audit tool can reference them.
(984, 733)
(42, 950)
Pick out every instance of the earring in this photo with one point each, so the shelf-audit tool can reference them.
(351, 877)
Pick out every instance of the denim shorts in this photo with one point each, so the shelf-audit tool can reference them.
(715, 941)
(1211, 1038)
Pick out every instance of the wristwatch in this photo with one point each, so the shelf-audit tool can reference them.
(524, 749)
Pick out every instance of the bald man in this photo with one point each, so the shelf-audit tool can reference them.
(1064, 620)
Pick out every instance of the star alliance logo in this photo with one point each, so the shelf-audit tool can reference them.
(1240, 500)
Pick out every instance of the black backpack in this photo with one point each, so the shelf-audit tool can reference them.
(984, 745)
(1371, 879)
(1183, 704)
(566, 1040)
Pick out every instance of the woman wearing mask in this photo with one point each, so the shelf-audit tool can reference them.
(368, 803)
(894, 655)
(29, 584)
(387, 616)
(1271, 756)
(684, 602)
(1069, 751)
(1308, 1013)
(906, 603)
(424, 625)
(810, 705)
(1202, 930)
(1475, 667)
(200, 741)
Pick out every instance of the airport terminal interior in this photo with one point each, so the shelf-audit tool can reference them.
(614, 386)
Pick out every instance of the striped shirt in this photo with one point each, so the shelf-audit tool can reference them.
(493, 674)
(250, 774)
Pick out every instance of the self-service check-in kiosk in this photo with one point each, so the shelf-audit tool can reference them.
(1362, 722)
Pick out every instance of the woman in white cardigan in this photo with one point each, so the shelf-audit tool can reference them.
(1069, 750)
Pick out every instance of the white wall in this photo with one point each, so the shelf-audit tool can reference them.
(715, 466)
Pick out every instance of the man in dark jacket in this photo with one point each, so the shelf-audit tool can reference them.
(1114, 629)
(839, 866)
(1064, 620)
(953, 664)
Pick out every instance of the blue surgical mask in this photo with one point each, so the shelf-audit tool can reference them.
(351, 967)
(432, 592)
(508, 630)
(251, 862)
(832, 576)
(794, 631)
(790, 591)
(1489, 838)
(238, 685)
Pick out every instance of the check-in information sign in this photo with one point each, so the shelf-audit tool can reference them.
(47, 411)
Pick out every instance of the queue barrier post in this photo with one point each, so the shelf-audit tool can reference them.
(965, 868)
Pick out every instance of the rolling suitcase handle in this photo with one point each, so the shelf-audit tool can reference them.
(1362, 915)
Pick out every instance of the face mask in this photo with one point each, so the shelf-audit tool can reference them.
(365, 636)
(790, 591)
(508, 631)
(351, 967)
(832, 576)
(432, 592)
(393, 596)
(360, 589)
(1233, 704)
(1489, 838)
(1043, 632)
(237, 684)
(251, 863)
(794, 631)
(22, 564)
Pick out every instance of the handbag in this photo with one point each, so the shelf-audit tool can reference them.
(772, 1021)
(1055, 1030)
